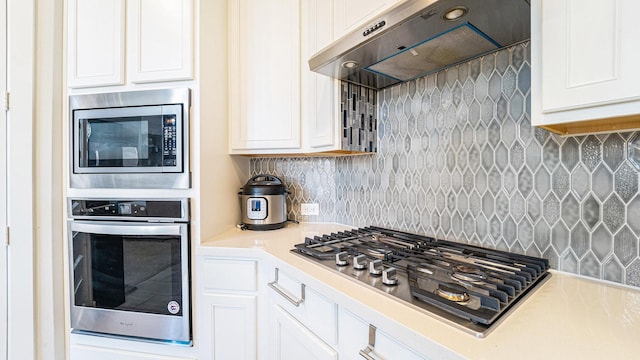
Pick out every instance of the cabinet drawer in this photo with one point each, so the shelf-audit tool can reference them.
(228, 274)
(315, 311)
(81, 352)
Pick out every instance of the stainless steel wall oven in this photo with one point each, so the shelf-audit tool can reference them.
(129, 268)
(134, 139)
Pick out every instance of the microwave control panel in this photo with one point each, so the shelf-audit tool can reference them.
(170, 143)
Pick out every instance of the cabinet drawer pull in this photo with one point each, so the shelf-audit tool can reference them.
(274, 285)
(369, 353)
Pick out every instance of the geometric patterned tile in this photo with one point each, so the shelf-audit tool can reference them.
(458, 158)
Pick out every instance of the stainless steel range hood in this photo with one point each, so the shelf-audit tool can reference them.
(419, 37)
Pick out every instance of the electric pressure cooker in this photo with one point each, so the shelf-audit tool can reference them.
(263, 203)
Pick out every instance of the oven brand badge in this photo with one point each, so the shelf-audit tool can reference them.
(173, 307)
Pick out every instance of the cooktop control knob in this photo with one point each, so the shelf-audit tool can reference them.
(360, 262)
(390, 276)
(342, 258)
(376, 267)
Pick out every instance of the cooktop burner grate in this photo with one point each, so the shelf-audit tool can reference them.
(469, 286)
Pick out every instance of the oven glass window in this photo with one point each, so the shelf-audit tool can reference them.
(129, 273)
(128, 138)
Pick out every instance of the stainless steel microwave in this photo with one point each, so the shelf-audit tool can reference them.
(134, 139)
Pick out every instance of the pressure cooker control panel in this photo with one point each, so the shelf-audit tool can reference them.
(257, 208)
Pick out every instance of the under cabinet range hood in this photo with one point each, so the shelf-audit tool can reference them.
(418, 37)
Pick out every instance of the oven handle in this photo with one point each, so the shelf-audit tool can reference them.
(274, 285)
(121, 228)
(369, 352)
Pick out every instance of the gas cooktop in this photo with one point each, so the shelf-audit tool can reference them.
(471, 287)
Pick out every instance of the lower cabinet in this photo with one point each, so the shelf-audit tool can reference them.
(290, 340)
(231, 326)
(360, 339)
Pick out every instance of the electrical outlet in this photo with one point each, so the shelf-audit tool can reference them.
(310, 209)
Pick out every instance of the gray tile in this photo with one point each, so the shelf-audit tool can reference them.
(502, 61)
(495, 181)
(482, 227)
(591, 154)
(560, 238)
(502, 205)
(495, 229)
(533, 155)
(495, 86)
(560, 182)
(580, 182)
(525, 182)
(524, 79)
(509, 81)
(590, 266)
(625, 246)
(613, 213)
(626, 181)
(634, 150)
(508, 132)
(488, 64)
(475, 203)
(516, 155)
(613, 151)
(602, 182)
(525, 233)
(541, 135)
(481, 181)
(482, 88)
(551, 154)
(591, 212)
(487, 157)
(525, 130)
(570, 153)
(502, 109)
(509, 229)
(517, 106)
(551, 209)
(633, 274)
(542, 182)
(488, 204)
(517, 208)
(602, 243)
(570, 211)
(569, 263)
(613, 271)
(493, 133)
(534, 208)
(510, 180)
(633, 215)
(501, 156)
(580, 240)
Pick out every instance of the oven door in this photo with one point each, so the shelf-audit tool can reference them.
(130, 279)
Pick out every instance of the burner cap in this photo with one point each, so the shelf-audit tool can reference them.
(468, 274)
(452, 292)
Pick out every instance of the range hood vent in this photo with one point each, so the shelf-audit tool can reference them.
(416, 38)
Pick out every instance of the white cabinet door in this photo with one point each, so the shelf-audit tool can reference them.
(350, 14)
(264, 77)
(160, 44)
(95, 43)
(355, 338)
(320, 104)
(232, 321)
(290, 340)
(584, 60)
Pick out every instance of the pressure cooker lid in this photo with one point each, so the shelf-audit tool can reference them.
(264, 185)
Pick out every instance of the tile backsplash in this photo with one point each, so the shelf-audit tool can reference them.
(458, 159)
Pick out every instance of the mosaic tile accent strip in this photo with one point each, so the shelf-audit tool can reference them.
(358, 107)
(458, 159)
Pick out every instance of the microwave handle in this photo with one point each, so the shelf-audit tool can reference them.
(119, 228)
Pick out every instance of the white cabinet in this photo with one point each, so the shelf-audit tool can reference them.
(226, 308)
(351, 14)
(359, 336)
(584, 65)
(264, 75)
(277, 105)
(290, 340)
(302, 323)
(157, 36)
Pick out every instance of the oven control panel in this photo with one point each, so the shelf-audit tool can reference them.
(123, 209)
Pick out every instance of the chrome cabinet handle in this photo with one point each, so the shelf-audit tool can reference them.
(369, 353)
(274, 285)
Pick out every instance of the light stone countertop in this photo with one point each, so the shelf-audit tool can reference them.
(568, 317)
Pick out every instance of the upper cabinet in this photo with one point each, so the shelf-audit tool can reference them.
(115, 42)
(277, 105)
(584, 65)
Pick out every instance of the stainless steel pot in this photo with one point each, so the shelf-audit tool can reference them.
(263, 202)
